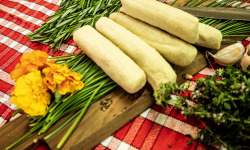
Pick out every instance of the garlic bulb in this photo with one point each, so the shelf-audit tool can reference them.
(229, 55)
(245, 61)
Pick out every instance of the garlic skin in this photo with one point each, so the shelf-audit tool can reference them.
(229, 55)
(245, 61)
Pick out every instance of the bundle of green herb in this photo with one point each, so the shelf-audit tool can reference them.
(96, 84)
(223, 100)
(72, 15)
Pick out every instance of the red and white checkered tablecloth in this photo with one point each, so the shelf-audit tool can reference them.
(156, 128)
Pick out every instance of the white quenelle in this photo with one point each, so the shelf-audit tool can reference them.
(118, 66)
(209, 37)
(157, 69)
(165, 17)
(173, 49)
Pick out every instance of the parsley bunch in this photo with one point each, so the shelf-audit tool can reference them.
(222, 100)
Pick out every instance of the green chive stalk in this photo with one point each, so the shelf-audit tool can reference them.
(93, 78)
(71, 129)
(63, 125)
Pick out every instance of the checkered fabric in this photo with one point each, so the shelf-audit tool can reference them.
(156, 128)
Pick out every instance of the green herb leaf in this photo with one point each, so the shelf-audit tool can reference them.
(227, 105)
(224, 104)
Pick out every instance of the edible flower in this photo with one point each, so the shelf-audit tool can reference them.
(35, 60)
(61, 76)
(31, 94)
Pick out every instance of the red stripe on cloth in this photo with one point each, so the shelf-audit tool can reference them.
(4, 87)
(142, 133)
(5, 57)
(15, 36)
(169, 139)
(19, 21)
(24, 9)
(6, 76)
(77, 51)
(167, 110)
(181, 127)
(3, 50)
(99, 147)
(46, 4)
(151, 138)
(7, 114)
(157, 107)
(152, 115)
(192, 120)
(2, 108)
(21, 39)
(71, 42)
(120, 134)
(11, 4)
(5, 31)
(133, 130)
(114, 143)
(24, 40)
(9, 65)
(10, 90)
(47, 49)
(198, 76)
(5, 53)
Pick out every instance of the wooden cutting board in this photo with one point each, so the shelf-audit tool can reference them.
(97, 124)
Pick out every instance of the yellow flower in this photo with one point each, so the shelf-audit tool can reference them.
(30, 94)
(62, 76)
(29, 62)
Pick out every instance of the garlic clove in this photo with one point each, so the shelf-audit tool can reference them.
(245, 61)
(229, 55)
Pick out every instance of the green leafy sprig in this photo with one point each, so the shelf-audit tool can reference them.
(72, 15)
(223, 100)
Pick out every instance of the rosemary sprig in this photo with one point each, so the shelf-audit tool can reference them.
(72, 15)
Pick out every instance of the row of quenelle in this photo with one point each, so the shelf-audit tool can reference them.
(131, 46)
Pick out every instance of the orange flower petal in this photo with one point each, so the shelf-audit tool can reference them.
(58, 78)
(30, 94)
(27, 57)
(64, 87)
(67, 81)
(41, 57)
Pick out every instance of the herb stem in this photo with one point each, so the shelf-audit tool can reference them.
(65, 137)
(64, 124)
